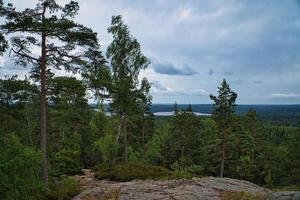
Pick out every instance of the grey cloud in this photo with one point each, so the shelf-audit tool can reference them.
(236, 82)
(159, 89)
(158, 85)
(257, 40)
(228, 73)
(170, 69)
(211, 72)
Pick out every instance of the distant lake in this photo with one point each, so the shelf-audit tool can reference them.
(281, 114)
(172, 113)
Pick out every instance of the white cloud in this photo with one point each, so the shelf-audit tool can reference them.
(160, 89)
(284, 95)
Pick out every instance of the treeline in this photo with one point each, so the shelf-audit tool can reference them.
(81, 137)
(48, 130)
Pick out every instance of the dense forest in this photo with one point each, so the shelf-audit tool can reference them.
(48, 131)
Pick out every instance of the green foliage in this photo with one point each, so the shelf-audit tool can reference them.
(55, 23)
(129, 95)
(67, 159)
(107, 147)
(223, 113)
(180, 172)
(18, 101)
(245, 168)
(294, 158)
(19, 171)
(131, 171)
(183, 139)
(64, 189)
(154, 154)
(133, 156)
(239, 195)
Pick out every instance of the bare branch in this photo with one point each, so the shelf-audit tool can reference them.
(25, 55)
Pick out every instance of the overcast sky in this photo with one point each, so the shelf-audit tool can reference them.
(193, 45)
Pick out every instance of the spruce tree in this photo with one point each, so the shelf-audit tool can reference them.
(223, 110)
(62, 43)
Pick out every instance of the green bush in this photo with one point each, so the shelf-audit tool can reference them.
(19, 171)
(180, 172)
(131, 171)
(64, 189)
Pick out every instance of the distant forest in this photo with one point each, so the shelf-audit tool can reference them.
(277, 114)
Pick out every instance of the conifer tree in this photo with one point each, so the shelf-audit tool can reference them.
(189, 108)
(223, 110)
(175, 108)
(62, 43)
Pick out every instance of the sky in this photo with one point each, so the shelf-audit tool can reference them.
(193, 45)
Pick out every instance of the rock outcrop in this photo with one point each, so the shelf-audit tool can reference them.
(207, 188)
(284, 196)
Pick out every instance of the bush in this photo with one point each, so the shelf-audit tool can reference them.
(180, 172)
(131, 171)
(240, 195)
(19, 171)
(64, 189)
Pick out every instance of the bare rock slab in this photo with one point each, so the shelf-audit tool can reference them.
(208, 188)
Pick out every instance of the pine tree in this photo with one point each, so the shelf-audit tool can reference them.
(50, 28)
(175, 108)
(223, 110)
(189, 108)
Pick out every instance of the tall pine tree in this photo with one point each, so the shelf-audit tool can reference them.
(223, 110)
(62, 43)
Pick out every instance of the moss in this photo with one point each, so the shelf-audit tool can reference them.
(240, 195)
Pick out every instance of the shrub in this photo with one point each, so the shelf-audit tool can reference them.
(65, 189)
(131, 171)
(19, 171)
(180, 172)
(240, 195)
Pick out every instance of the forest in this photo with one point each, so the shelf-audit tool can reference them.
(49, 132)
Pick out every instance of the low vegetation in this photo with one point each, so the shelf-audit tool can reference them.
(240, 195)
(137, 171)
(64, 189)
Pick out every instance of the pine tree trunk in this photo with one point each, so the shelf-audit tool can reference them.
(125, 138)
(222, 158)
(43, 105)
(143, 135)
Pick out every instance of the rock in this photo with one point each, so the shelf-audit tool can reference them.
(291, 195)
(207, 188)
